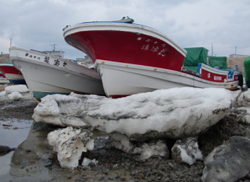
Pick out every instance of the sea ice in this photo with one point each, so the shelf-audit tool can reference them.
(175, 113)
(87, 161)
(63, 110)
(69, 143)
(143, 152)
(186, 151)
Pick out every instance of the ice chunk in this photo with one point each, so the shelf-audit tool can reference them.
(69, 143)
(15, 96)
(186, 151)
(16, 88)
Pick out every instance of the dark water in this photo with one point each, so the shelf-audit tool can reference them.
(26, 162)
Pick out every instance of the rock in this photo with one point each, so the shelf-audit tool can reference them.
(228, 162)
(186, 151)
(5, 149)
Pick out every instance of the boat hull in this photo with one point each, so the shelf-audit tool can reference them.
(134, 58)
(121, 80)
(43, 77)
(126, 43)
(12, 74)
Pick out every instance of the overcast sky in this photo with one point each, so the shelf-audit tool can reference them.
(38, 24)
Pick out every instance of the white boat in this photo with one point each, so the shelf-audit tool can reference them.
(134, 58)
(49, 75)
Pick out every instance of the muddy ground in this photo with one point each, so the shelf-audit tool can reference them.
(34, 160)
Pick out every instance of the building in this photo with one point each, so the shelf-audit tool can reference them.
(58, 54)
(5, 55)
(238, 55)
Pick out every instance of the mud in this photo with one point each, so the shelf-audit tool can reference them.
(30, 158)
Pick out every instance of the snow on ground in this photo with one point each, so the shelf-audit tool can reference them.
(15, 92)
(176, 113)
(15, 96)
(2, 93)
(16, 88)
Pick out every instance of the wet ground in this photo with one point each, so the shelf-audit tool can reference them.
(32, 159)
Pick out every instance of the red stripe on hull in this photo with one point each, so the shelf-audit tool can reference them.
(127, 47)
(9, 69)
(213, 77)
(2, 75)
(236, 77)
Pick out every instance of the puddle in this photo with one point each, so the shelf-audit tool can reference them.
(26, 163)
(13, 131)
(29, 161)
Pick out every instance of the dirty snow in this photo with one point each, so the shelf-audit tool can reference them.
(176, 113)
(69, 143)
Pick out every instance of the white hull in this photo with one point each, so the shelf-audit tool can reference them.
(11, 76)
(121, 79)
(42, 77)
(4, 80)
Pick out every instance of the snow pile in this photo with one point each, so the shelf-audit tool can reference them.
(186, 151)
(175, 113)
(3, 93)
(16, 92)
(15, 96)
(62, 110)
(69, 143)
(16, 88)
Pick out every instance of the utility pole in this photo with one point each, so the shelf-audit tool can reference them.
(10, 42)
(212, 49)
(235, 49)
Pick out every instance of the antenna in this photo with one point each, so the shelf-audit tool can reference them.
(212, 49)
(54, 47)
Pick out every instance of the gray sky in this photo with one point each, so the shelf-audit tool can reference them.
(38, 24)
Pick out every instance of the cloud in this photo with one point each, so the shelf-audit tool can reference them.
(37, 24)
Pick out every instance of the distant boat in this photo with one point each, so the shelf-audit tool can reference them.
(11, 73)
(3, 79)
(50, 75)
(133, 58)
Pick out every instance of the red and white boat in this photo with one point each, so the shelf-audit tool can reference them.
(133, 58)
(11, 73)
